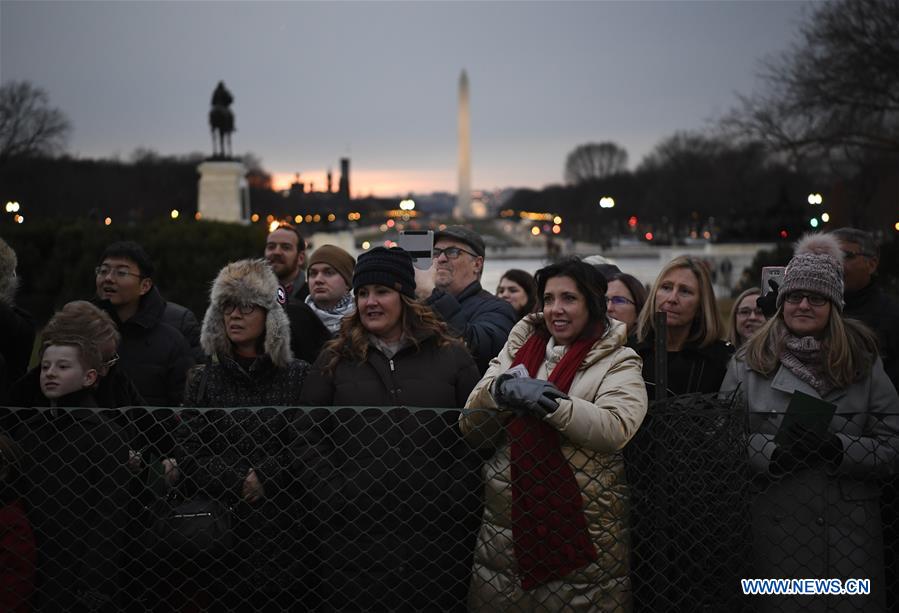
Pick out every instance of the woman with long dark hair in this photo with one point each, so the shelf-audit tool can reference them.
(517, 287)
(557, 405)
(401, 508)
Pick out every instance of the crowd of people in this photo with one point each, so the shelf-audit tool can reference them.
(382, 437)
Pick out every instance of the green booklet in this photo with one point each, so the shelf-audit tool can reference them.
(809, 412)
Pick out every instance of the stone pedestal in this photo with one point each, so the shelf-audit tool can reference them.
(223, 193)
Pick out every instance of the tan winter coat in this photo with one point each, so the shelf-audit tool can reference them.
(608, 403)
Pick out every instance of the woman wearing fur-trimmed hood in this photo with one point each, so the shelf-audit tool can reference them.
(231, 455)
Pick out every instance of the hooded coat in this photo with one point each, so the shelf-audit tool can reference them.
(606, 406)
(218, 447)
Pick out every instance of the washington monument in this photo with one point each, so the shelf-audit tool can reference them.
(463, 199)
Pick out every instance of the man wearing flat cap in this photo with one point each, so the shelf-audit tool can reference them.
(481, 319)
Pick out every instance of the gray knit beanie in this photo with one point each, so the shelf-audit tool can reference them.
(816, 266)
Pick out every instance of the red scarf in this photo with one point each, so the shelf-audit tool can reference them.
(549, 530)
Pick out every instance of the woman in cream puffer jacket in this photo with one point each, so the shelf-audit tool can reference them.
(607, 402)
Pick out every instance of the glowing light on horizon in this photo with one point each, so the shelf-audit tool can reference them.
(108, 221)
(174, 213)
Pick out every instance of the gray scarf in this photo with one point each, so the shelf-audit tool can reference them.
(803, 357)
(332, 317)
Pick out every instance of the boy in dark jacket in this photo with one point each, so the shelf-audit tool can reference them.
(74, 483)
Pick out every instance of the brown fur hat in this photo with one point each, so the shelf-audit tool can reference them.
(247, 282)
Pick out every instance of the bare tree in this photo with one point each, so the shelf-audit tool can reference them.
(837, 91)
(29, 126)
(594, 161)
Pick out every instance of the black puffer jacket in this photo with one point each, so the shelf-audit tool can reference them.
(183, 319)
(218, 447)
(153, 354)
(400, 496)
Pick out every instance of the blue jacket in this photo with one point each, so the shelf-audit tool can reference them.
(481, 319)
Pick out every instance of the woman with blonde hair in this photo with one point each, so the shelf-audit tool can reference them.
(683, 461)
(816, 510)
(696, 355)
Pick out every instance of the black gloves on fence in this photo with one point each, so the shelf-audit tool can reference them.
(806, 449)
(534, 396)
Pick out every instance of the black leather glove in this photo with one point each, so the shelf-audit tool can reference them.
(768, 302)
(535, 396)
(806, 449)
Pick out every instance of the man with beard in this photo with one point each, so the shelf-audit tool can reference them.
(285, 252)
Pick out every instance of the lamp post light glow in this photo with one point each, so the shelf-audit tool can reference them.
(174, 213)
(825, 217)
(407, 205)
(607, 202)
(12, 207)
(815, 199)
(813, 222)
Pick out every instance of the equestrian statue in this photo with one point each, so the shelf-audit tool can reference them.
(221, 121)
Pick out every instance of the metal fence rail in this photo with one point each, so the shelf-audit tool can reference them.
(384, 509)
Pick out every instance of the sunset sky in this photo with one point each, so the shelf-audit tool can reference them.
(377, 81)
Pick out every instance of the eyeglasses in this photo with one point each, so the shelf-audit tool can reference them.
(746, 312)
(118, 273)
(245, 309)
(813, 299)
(619, 300)
(451, 253)
(111, 361)
(851, 255)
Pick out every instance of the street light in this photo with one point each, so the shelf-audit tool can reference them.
(607, 202)
(815, 198)
(407, 205)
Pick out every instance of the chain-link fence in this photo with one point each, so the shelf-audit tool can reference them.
(350, 509)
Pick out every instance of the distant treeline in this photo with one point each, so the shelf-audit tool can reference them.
(57, 258)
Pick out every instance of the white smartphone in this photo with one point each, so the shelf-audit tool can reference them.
(420, 245)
